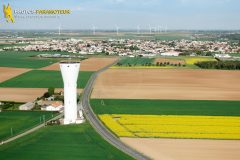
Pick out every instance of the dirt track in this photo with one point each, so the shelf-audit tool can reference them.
(8, 73)
(185, 149)
(23, 94)
(168, 84)
(91, 64)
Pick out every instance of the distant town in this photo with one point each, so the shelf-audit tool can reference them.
(126, 47)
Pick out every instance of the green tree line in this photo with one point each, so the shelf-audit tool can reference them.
(228, 65)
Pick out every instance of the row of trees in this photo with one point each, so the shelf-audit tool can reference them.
(228, 65)
(152, 64)
(9, 105)
(170, 64)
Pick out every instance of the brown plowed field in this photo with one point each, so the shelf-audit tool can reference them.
(168, 84)
(91, 64)
(8, 73)
(24, 94)
(185, 149)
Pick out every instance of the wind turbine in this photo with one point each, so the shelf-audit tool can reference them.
(59, 30)
(94, 29)
(155, 29)
(159, 29)
(138, 29)
(150, 29)
(117, 29)
(166, 28)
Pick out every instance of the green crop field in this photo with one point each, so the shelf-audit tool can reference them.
(127, 61)
(166, 107)
(235, 54)
(43, 79)
(21, 59)
(71, 142)
(20, 121)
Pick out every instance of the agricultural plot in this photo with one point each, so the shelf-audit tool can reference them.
(43, 79)
(24, 94)
(235, 54)
(185, 149)
(163, 62)
(182, 84)
(166, 107)
(60, 142)
(23, 60)
(193, 60)
(15, 122)
(170, 118)
(206, 127)
(8, 73)
(129, 62)
(90, 64)
(169, 61)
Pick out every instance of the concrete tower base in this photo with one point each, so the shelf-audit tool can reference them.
(79, 120)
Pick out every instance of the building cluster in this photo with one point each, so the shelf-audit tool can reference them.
(124, 47)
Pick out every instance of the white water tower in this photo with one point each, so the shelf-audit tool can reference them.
(70, 70)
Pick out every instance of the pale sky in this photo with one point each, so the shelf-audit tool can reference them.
(128, 14)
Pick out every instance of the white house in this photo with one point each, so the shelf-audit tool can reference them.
(55, 106)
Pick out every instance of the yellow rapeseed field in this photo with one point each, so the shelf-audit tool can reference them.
(193, 60)
(208, 127)
(143, 67)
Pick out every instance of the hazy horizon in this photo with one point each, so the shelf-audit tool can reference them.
(130, 15)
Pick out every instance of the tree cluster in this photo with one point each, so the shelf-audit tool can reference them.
(227, 65)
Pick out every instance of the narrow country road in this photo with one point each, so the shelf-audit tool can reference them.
(97, 124)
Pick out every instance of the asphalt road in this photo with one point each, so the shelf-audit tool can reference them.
(97, 124)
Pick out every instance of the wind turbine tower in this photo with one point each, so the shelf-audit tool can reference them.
(94, 29)
(59, 30)
(117, 29)
(150, 29)
(166, 28)
(138, 29)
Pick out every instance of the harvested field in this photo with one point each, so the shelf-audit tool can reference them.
(177, 149)
(171, 61)
(91, 64)
(168, 84)
(23, 94)
(8, 73)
